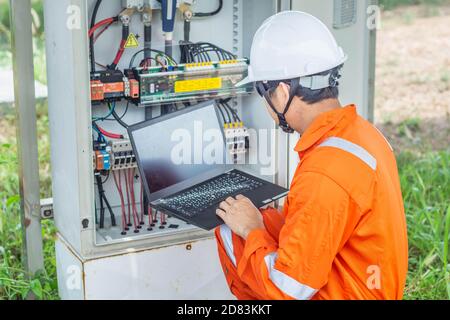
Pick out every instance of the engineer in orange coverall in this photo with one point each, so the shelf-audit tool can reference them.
(342, 231)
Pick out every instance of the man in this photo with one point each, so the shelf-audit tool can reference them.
(342, 231)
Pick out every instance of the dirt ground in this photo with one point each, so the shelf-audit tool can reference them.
(412, 105)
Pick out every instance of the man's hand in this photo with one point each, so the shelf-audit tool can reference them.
(240, 215)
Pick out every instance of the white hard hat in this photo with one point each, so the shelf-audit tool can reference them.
(293, 44)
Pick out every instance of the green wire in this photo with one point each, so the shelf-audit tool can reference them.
(111, 110)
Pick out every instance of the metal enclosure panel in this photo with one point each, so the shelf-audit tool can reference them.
(174, 272)
(69, 272)
(70, 109)
(69, 114)
(147, 274)
(354, 39)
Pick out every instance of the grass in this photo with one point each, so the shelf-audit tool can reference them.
(425, 184)
(14, 282)
(391, 4)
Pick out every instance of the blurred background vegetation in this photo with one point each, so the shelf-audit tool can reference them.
(423, 158)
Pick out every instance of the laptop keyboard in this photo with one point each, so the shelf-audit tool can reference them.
(193, 201)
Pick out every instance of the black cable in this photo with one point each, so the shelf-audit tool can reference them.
(147, 40)
(122, 116)
(102, 208)
(102, 196)
(111, 212)
(236, 116)
(187, 30)
(212, 13)
(91, 40)
(228, 114)
(202, 49)
(107, 178)
(221, 112)
(119, 120)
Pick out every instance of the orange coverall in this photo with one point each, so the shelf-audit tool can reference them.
(342, 232)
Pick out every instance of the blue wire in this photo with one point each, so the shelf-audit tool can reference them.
(101, 137)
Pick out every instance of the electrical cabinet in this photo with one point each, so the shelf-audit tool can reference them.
(157, 256)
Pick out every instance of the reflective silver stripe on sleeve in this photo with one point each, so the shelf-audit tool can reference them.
(285, 283)
(352, 148)
(225, 234)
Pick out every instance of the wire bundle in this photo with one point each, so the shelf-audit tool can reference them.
(203, 52)
(231, 114)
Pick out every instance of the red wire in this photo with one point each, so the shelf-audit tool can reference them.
(122, 201)
(133, 200)
(102, 31)
(109, 134)
(150, 216)
(120, 52)
(128, 195)
(142, 202)
(99, 24)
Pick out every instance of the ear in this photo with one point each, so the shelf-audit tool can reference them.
(284, 91)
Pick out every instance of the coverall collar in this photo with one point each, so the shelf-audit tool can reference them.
(326, 125)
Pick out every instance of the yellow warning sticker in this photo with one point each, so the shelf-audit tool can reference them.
(198, 85)
(132, 41)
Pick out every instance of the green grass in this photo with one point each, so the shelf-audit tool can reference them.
(14, 282)
(391, 4)
(425, 184)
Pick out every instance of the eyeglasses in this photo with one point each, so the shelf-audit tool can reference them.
(266, 89)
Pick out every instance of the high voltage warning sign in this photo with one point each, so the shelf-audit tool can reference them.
(132, 41)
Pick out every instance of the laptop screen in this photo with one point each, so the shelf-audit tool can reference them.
(179, 146)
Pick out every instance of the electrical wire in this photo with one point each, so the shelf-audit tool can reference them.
(102, 207)
(201, 52)
(128, 197)
(119, 120)
(235, 115)
(222, 114)
(121, 50)
(122, 202)
(142, 202)
(112, 107)
(123, 115)
(170, 59)
(104, 22)
(210, 14)
(106, 133)
(132, 198)
(228, 114)
(103, 198)
(101, 138)
(106, 27)
(91, 40)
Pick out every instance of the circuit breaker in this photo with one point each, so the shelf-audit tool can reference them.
(115, 63)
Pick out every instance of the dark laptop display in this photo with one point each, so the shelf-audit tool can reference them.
(186, 167)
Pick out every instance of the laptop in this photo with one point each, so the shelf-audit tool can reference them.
(186, 168)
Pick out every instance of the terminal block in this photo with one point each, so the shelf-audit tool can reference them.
(237, 138)
(194, 81)
(122, 154)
